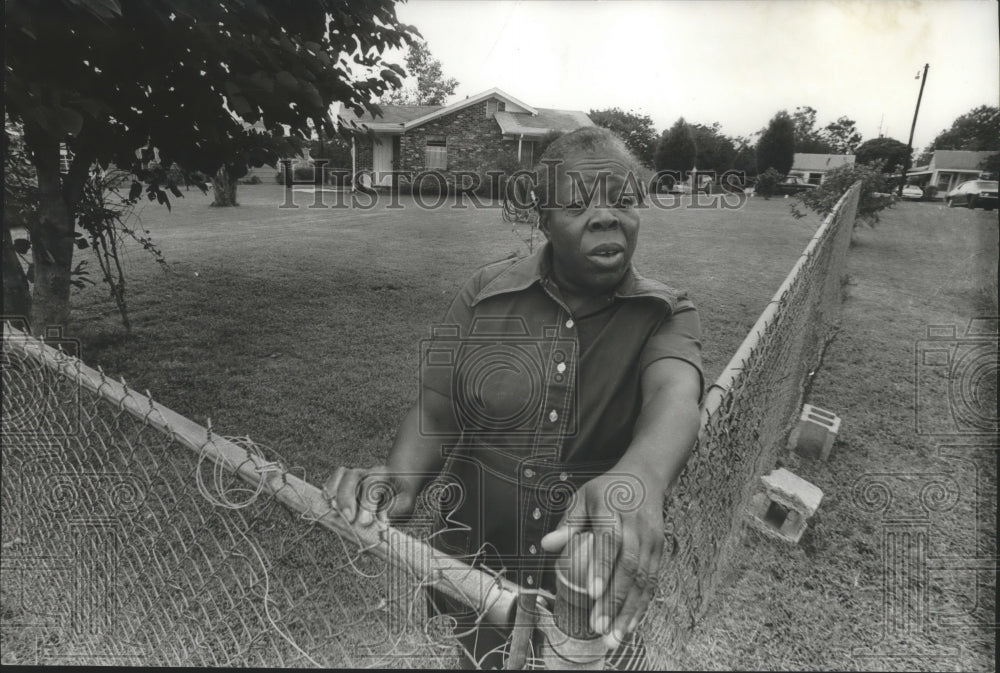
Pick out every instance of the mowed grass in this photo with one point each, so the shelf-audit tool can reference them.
(301, 327)
(823, 604)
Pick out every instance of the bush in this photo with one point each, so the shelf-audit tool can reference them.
(252, 180)
(302, 173)
(930, 192)
(875, 192)
(767, 183)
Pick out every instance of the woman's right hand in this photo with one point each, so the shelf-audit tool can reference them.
(363, 495)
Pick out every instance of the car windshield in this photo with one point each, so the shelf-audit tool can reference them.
(986, 185)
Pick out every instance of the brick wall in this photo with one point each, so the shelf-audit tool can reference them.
(473, 141)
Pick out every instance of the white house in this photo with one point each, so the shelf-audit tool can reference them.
(948, 169)
(813, 167)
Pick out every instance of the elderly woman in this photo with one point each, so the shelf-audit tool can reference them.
(564, 371)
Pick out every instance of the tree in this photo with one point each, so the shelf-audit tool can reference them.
(125, 83)
(676, 149)
(745, 157)
(976, 130)
(713, 150)
(248, 147)
(891, 152)
(991, 165)
(873, 199)
(807, 138)
(842, 136)
(636, 130)
(776, 147)
(431, 88)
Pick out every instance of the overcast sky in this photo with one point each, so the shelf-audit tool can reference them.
(735, 62)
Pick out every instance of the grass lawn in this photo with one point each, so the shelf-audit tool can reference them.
(809, 607)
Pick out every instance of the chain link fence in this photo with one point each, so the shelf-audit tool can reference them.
(746, 417)
(132, 535)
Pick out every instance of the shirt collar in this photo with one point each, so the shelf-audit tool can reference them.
(534, 268)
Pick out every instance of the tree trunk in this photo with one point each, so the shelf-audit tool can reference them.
(224, 187)
(51, 239)
(16, 294)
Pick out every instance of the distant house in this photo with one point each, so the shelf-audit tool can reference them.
(948, 169)
(468, 135)
(813, 167)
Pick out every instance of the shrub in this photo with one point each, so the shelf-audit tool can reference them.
(767, 183)
(302, 173)
(875, 192)
(930, 191)
(252, 180)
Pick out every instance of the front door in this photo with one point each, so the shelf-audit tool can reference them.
(382, 159)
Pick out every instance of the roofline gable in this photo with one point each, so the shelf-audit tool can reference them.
(466, 102)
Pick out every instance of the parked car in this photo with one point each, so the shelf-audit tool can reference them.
(794, 185)
(912, 193)
(974, 194)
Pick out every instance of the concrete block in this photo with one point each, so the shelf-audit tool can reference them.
(815, 432)
(785, 505)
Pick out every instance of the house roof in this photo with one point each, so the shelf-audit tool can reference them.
(398, 118)
(820, 162)
(521, 119)
(959, 160)
(391, 114)
(547, 119)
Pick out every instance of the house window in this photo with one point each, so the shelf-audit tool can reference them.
(815, 178)
(493, 106)
(436, 153)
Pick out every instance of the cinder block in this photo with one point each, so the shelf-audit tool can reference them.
(815, 432)
(783, 508)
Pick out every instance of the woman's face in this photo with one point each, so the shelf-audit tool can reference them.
(592, 222)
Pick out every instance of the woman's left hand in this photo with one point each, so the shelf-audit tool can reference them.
(625, 515)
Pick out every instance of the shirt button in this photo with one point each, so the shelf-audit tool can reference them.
(570, 323)
(561, 367)
(553, 416)
(558, 356)
(533, 549)
(563, 476)
(559, 378)
(536, 513)
(529, 473)
(530, 580)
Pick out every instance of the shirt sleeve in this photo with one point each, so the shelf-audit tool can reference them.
(438, 355)
(678, 336)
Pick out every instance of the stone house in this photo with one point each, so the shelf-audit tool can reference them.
(488, 131)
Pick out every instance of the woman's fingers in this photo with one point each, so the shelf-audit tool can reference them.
(331, 485)
(347, 494)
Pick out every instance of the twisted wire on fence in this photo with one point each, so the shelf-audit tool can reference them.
(132, 535)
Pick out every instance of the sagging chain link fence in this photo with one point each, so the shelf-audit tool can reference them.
(132, 535)
(746, 417)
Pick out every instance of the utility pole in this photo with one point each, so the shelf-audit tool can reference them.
(909, 143)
